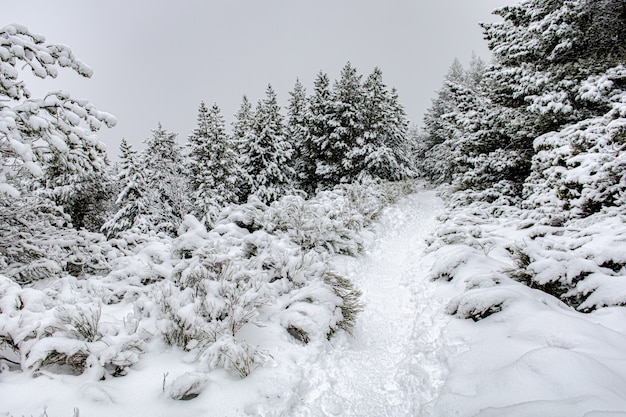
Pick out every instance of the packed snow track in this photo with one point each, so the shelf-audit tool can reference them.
(391, 366)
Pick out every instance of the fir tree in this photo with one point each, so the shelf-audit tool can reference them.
(317, 141)
(335, 164)
(134, 200)
(438, 122)
(86, 196)
(39, 136)
(465, 128)
(166, 178)
(384, 151)
(298, 131)
(212, 164)
(243, 140)
(56, 128)
(545, 50)
(270, 154)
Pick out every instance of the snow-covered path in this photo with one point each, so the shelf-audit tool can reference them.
(392, 366)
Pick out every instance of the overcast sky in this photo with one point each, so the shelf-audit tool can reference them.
(157, 60)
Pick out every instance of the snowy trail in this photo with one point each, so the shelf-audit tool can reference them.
(392, 366)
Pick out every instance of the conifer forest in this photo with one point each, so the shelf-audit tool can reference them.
(324, 256)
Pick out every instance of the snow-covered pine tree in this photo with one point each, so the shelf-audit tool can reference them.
(442, 129)
(336, 165)
(86, 196)
(135, 198)
(243, 139)
(544, 50)
(319, 129)
(270, 154)
(384, 152)
(55, 127)
(398, 138)
(212, 165)
(437, 126)
(167, 181)
(542, 57)
(298, 132)
(35, 133)
(472, 141)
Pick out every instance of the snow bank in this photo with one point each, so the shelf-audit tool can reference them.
(539, 303)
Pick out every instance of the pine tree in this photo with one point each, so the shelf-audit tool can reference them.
(86, 196)
(319, 129)
(243, 140)
(469, 136)
(335, 164)
(166, 179)
(56, 128)
(270, 154)
(38, 136)
(134, 200)
(545, 50)
(442, 129)
(298, 132)
(212, 164)
(437, 119)
(384, 152)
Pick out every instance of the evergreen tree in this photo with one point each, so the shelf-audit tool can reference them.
(298, 131)
(39, 136)
(437, 121)
(134, 200)
(443, 128)
(544, 50)
(471, 140)
(56, 128)
(270, 154)
(317, 141)
(335, 164)
(166, 179)
(212, 164)
(243, 140)
(86, 196)
(384, 152)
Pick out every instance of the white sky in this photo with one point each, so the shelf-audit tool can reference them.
(156, 60)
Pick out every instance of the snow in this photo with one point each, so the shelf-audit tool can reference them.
(444, 331)
(388, 367)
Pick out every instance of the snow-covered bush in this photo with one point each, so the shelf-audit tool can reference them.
(51, 330)
(266, 264)
(331, 220)
(188, 386)
(92, 311)
(37, 242)
(580, 261)
(233, 275)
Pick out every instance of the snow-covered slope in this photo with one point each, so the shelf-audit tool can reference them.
(523, 351)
